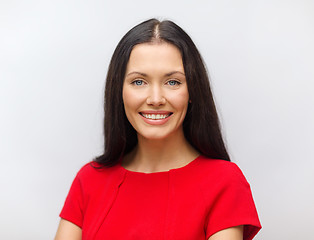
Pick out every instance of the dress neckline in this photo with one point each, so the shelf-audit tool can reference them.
(161, 172)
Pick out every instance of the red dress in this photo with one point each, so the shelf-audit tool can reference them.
(191, 202)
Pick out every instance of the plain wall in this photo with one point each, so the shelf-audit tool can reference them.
(53, 62)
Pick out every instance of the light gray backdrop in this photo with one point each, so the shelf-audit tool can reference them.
(53, 62)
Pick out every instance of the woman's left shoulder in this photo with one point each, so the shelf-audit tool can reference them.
(220, 169)
(228, 197)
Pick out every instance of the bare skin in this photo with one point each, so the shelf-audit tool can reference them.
(233, 233)
(68, 231)
(155, 82)
(151, 156)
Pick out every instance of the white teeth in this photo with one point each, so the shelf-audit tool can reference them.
(155, 116)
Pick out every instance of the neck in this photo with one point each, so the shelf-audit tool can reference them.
(157, 155)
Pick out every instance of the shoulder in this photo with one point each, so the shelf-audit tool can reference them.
(219, 172)
(92, 178)
(219, 167)
(228, 196)
(93, 171)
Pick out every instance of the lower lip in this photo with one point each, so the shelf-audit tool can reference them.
(156, 121)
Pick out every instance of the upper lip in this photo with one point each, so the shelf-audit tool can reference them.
(155, 112)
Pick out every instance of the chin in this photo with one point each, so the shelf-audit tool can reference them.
(153, 136)
(158, 134)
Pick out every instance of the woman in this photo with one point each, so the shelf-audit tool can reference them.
(165, 172)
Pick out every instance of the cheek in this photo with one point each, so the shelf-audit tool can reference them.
(180, 101)
(131, 100)
(127, 101)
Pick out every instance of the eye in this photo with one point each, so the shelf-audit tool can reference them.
(173, 83)
(138, 82)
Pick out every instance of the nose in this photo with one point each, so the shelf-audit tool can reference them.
(156, 96)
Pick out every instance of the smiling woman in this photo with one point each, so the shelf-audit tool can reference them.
(165, 172)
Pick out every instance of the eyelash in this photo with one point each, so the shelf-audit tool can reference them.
(136, 81)
(174, 82)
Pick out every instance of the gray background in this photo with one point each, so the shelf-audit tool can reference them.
(53, 62)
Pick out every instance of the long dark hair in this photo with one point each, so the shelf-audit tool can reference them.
(201, 124)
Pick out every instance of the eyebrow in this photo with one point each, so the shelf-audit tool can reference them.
(174, 72)
(137, 73)
(166, 75)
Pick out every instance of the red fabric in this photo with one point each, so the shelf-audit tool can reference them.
(192, 202)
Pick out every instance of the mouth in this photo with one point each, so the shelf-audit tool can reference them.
(156, 116)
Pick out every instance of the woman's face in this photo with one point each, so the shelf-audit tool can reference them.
(155, 92)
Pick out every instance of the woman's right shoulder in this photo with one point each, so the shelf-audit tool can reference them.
(93, 177)
(90, 167)
(96, 171)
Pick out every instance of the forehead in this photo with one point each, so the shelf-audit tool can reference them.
(155, 57)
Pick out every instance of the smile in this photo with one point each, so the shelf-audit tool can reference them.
(155, 116)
